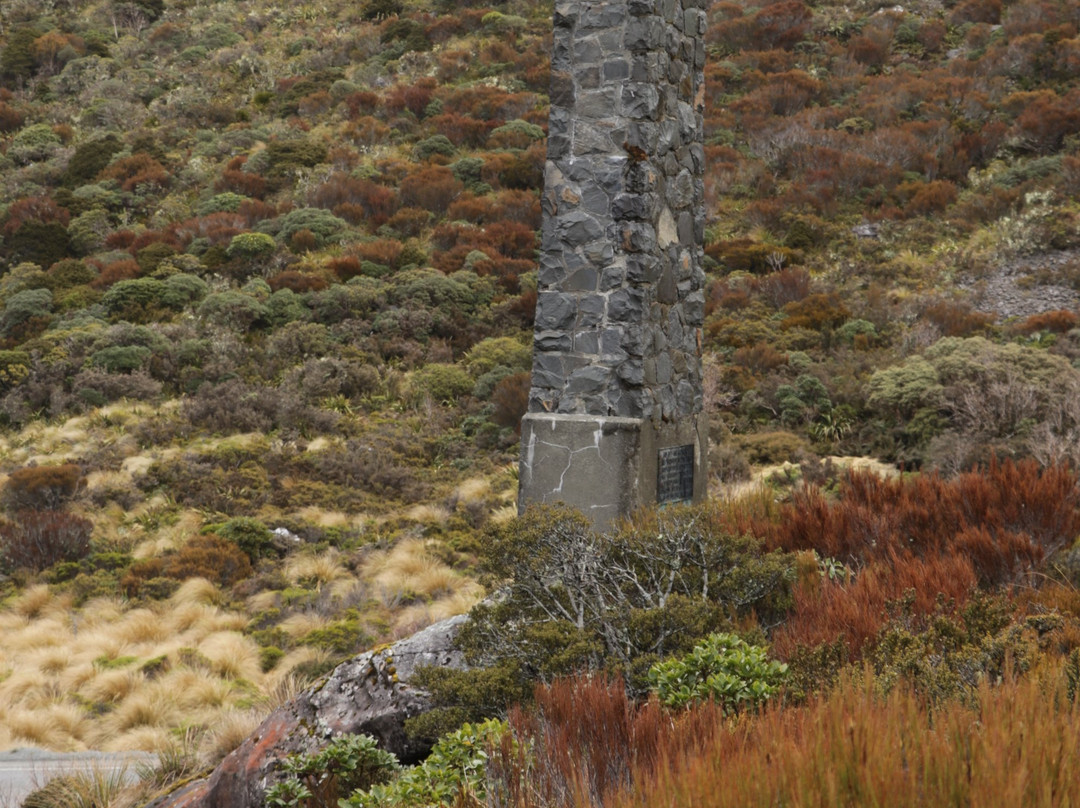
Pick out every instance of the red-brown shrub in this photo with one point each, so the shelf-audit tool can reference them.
(409, 222)
(138, 169)
(116, 271)
(957, 320)
(383, 251)
(11, 119)
(298, 282)
(759, 358)
(241, 182)
(511, 400)
(786, 286)
(815, 312)
(413, 97)
(927, 515)
(34, 208)
(345, 267)
(432, 188)
(930, 197)
(209, 556)
(469, 133)
(38, 539)
(1056, 321)
(42, 487)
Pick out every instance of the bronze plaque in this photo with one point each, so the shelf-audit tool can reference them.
(675, 475)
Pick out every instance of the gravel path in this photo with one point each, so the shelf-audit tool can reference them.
(1025, 286)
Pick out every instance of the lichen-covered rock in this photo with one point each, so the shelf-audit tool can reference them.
(369, 694)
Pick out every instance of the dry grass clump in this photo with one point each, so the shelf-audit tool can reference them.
(230, 729)
(410, 570)
(317, 570)
(232, 655)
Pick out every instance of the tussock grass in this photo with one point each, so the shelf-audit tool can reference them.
(318, 569)
(472, 490)
(297, 625)
(230, 729)
(501, 516)
(428, 514)
(233, 655)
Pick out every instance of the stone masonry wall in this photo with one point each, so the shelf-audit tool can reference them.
(621, 299)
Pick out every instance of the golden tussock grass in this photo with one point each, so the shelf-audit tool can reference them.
(319, 569)
(261, 601)
(136, 464)
(197, 592)
(233, 655)
(230, 729)
(141, 739)
(39, 600)
(298, 656)
(50, 660)
(297, 625)
(428, 514)
(27, 689)
(324, 518)
(112, 686)
(142, 626)
(149, 707)
(473, 490)
(193, 689)
(409, 567)
(321, 444)
(501, 516)
(282, 687)
(45, 632)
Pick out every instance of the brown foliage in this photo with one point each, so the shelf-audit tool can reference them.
(1057, 322)
(1005, 518)
(36, 208)
(784, 287)
(815, 312)
(588, 742)
(42, 487)
(511, 400)
(116, 271)
(209, 556)
(354, 199)
(957, 320)
(432, 188)
(38, 539)
(298, 282)
(138, 169)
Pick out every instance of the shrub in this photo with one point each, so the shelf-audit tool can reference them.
(120, 358)
(250, 246)
(442, 383)
(347, 763)
(324, 226)
(250, 535)
(25, 305)
(33, 143)
(135, 300)
(723, 669)
(210, 557)
(456, 766)
(42, 487)
(511, 400)
(38, 539)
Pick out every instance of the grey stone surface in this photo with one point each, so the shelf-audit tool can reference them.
(369, 694)
(621, 300)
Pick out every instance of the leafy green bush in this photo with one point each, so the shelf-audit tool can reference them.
(322, 224)
(347, 763)
(135, 300)
(33, 143)
(23, 306)
(250, 535)
(120, 358)
(441, 382)
(494, 351)
(249, 246)
(723, 669)
(456, 766)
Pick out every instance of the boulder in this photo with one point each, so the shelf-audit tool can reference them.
(370, 694)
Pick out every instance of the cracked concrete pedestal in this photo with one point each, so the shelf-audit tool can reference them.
(608, 467)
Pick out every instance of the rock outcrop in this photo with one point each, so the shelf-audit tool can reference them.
(369, 694)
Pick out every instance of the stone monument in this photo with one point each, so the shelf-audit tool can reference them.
(615, 415)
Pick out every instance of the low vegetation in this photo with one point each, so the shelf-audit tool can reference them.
(267, 281)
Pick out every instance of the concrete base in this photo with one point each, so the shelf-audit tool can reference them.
(605, 467)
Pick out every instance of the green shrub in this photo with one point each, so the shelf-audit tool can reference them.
(121, 358)
(322, 224)
(232, 310)
(429, 147)
(23, 306)
(723, 669)
(33, 143)
(181, 290)
(250, 535)
(493, 351)
(42, 243)
(87, 231)
(89, 160)
(441, 383)
(347, 763)
(286, 156)
(249, 246)
(134, 300)
(454, 772)
(14, 367)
